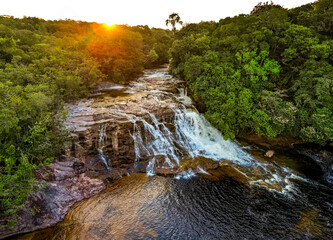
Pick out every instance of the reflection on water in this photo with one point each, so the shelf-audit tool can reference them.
(143, 207)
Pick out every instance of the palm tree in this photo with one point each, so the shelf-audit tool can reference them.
(173, 19)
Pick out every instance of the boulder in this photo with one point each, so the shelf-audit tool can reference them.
(269, 153)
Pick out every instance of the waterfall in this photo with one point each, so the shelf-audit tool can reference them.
(168, 133)
(196, 134)
(193, 137)
(101, 144)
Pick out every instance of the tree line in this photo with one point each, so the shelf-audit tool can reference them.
(269, 72)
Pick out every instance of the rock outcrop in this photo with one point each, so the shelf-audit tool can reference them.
(66, 184)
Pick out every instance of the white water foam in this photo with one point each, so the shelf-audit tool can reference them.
(185, 175)
(101, 144)
(193, 137)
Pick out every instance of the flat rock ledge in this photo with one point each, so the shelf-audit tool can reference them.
(66, 184)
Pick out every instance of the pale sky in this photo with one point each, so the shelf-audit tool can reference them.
(134, 12)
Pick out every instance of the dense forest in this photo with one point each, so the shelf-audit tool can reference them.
(43, 65)
(269, 72)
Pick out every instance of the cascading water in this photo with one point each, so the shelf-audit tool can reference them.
(193, 137)
(101, 144)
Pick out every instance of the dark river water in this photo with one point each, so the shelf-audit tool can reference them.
(155, 207)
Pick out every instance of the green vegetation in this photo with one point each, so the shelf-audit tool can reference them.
(268, 73)
(43, 64)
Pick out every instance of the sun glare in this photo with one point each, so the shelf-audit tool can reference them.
(103, 28)
(110, 27)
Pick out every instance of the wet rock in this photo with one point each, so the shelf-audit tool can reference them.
(196, 165)
(98, 163)
(115, 112)
(160, 162)
(199, 164)
(166, 172)
(323, 156)
(47, 207)
(116, 164)
(78, 166)
(200, 105)
(269, 153)
(140, 167)
(266, 142)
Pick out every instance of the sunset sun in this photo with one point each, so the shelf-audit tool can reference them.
(104, 29)
(109, 27)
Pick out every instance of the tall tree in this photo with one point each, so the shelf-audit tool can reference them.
(173, 19)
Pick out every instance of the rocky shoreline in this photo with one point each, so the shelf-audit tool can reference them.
(66, 184)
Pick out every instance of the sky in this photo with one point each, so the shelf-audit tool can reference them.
(134, 12)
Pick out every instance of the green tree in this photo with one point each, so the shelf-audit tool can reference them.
(173, 19)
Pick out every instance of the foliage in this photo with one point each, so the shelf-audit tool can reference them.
(43, 64)
(155, 39)
(269, 72)
(119, 52)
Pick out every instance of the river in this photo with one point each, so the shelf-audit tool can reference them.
(195, 184)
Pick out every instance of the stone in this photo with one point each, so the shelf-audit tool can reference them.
(78, 165)
(269, 153)
(165, 171)
(88, 116)
(140, 167)
(267, 142)
(224, 171)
